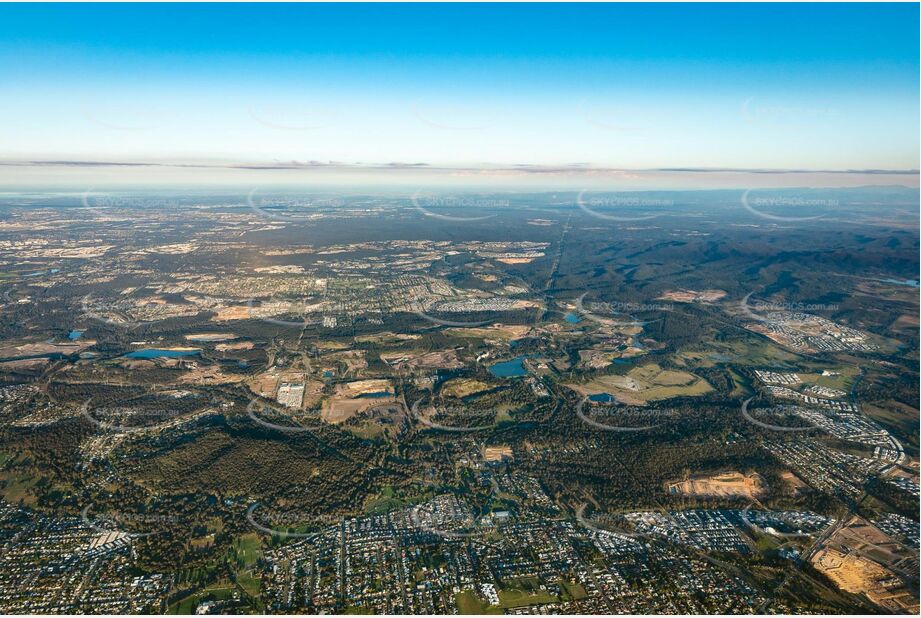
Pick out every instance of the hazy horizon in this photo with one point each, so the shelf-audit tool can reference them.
(73, 176)
(494, 95)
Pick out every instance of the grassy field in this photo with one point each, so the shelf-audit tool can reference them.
(248, 548)
(16, 485)
(504, 413)
(751, 351)
(766, 543)
(739, 389)
(520, 598)
(841, 382)
(469, 603)
(646, 383)
(387, 500)
(371, 430)
(250, 583)
(694, 358)
(383, 502)
(575, 590)
(897, 416)
(463, 387)
(221, 591)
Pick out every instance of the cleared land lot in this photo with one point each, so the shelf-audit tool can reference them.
(415, 359)
(496, 331)
(862, 559)
(353, 397)
(726, 484)
(497, 453)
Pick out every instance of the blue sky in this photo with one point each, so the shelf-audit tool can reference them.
(807, 86)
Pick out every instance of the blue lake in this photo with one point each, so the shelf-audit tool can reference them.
(601, 398)
(572, 318)
(375, 395)
(41, 272)
(75, 334)
(155, 353)
(909, 282)
(509, 369)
